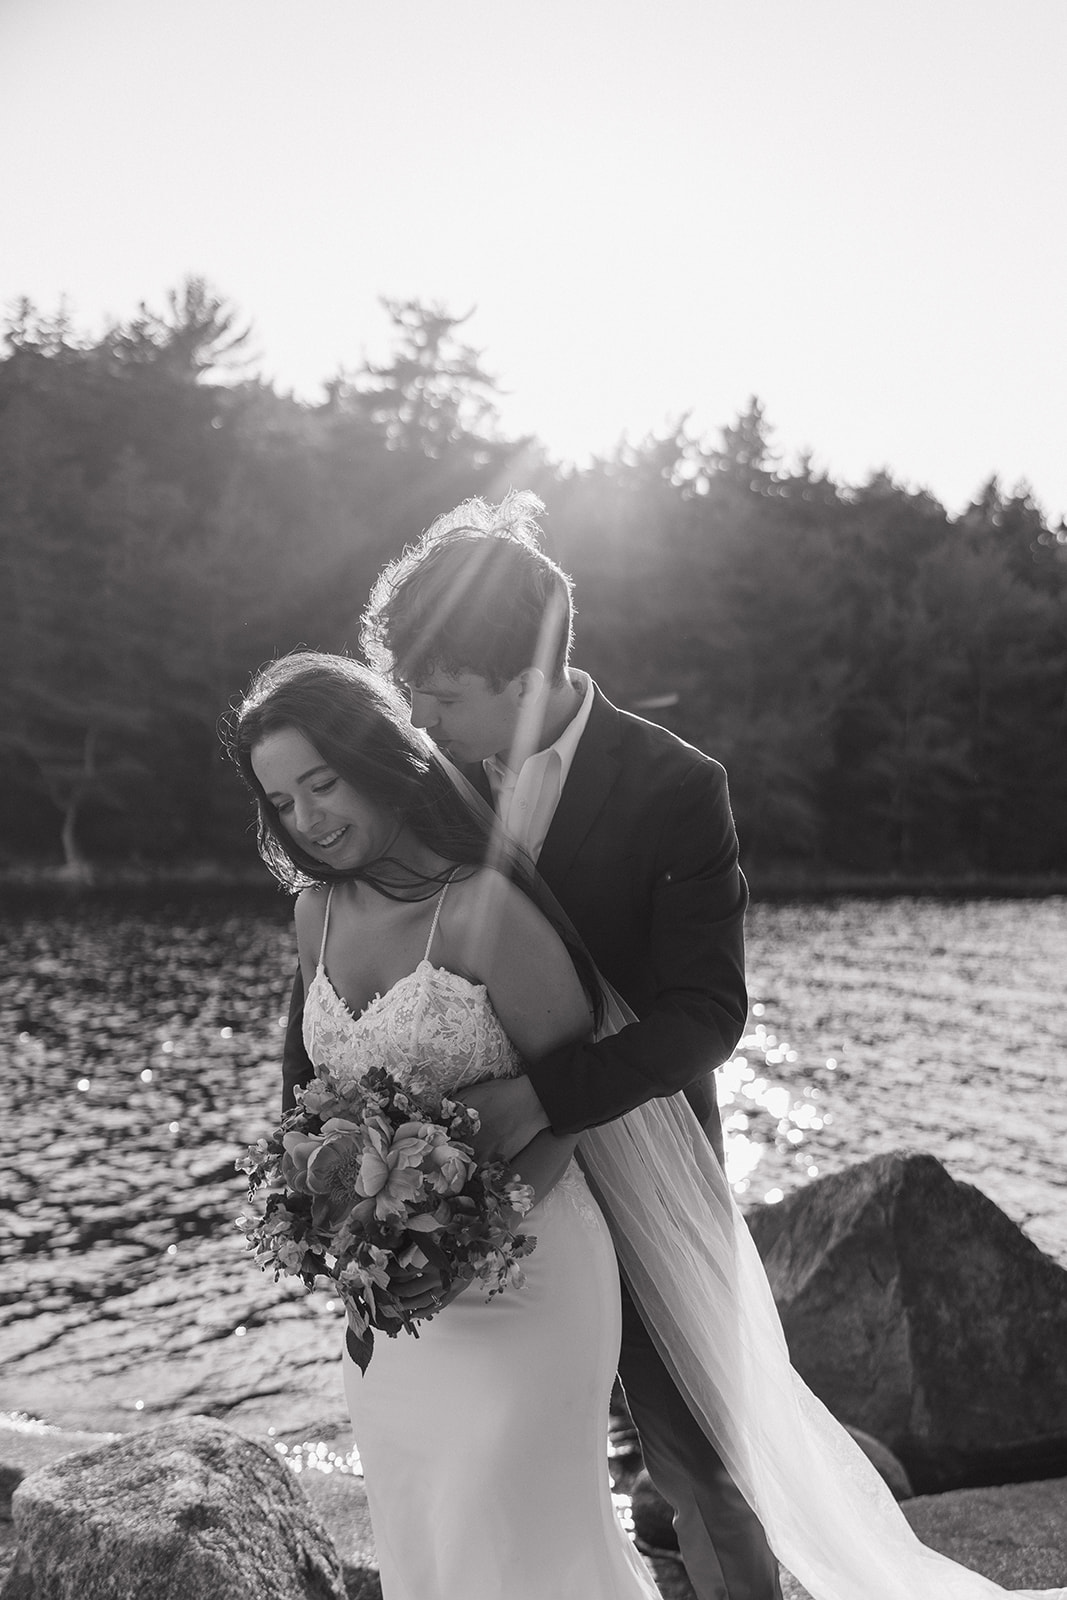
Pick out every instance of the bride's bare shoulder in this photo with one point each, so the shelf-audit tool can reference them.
(309, 917)
(484, 906)
(473, 889)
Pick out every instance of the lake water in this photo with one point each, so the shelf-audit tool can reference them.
(139, 1048)
(917, 1024)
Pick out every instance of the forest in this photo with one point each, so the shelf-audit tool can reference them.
(885, 683)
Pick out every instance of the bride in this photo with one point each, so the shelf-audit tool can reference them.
(482, 1441)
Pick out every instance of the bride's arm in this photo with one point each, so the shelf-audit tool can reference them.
(491, 933)
(494, 934)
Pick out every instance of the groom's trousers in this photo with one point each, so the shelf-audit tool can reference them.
(721, 1541)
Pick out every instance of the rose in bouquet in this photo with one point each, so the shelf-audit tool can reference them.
(366, 1185)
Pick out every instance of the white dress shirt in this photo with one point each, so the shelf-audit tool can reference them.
(526, 800)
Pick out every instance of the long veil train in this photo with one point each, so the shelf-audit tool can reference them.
(698, 1280)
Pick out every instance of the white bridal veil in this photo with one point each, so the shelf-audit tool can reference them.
(698, 1280)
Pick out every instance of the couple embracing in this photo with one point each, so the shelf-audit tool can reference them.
(586, 1037)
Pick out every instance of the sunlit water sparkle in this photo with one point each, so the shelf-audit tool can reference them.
(911, 1024)
(147, 1039)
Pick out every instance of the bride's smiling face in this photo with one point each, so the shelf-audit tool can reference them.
(322, 813)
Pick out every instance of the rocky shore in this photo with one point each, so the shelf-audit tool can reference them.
(919, 1312)
(140, 1054)
(1015, 1535)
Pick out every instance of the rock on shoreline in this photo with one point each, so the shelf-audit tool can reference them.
(920, 1313)
(1016, 1535)
(190, 1508)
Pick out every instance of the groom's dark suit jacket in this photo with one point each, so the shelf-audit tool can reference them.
(642, 856)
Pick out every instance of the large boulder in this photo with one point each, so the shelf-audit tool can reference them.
(26, 1445)
(920, 1313)
(188, 1509)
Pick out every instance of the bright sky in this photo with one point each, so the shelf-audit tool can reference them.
(855, 209)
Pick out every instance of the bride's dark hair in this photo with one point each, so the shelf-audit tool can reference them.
(360, 726)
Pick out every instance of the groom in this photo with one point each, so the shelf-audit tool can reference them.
(632, 831)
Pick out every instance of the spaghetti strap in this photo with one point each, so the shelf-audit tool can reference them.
(436, 914)
(325, 929)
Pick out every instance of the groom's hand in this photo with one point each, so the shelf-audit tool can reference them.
(509, 1113)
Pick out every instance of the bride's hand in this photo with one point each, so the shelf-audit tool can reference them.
(423, 1293)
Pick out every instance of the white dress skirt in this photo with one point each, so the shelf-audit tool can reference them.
(483, 1440)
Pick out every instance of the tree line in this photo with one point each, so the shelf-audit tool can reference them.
(885, 683)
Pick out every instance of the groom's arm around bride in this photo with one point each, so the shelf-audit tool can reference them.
(642, 855)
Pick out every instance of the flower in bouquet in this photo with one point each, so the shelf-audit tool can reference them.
(366, 1185)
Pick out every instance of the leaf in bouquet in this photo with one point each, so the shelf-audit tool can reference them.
(424, 1222)
(390, 1311)
(360, 1347)
(438, 1257)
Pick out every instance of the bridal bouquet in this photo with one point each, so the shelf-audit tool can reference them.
(365, 1185)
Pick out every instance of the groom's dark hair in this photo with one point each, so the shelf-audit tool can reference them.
(475, 594)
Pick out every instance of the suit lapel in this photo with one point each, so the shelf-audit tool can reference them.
(593, 774)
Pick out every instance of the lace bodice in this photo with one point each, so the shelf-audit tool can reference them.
(434, 1029)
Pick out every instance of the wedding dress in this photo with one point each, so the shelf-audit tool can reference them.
(483, 1440)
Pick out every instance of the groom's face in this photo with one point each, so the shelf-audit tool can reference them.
(467, 720)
